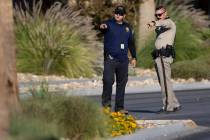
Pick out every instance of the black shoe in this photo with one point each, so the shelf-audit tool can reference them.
(169, 111)
(177, 108)
(161, 111)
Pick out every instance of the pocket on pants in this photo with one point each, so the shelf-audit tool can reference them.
(169, 60)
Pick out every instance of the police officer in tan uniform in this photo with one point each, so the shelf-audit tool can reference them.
(163, 56)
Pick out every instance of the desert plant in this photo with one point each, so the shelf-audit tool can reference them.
(40, 91)
(79, 118)
(197, 68)
(59, 41)
(144, 54)
(71, 117)
(205, 33)
(22, 128)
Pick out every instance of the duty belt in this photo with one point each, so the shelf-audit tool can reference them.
(168, 51)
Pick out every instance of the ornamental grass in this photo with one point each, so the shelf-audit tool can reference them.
(59, 41)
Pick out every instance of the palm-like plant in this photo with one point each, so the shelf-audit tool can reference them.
(58, 42)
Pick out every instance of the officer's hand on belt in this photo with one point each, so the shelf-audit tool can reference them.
(133, 62)
(103, 26)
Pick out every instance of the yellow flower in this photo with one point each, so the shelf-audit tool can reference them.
(134, 125)
(106, 110)
(121, 123)
(114, 114)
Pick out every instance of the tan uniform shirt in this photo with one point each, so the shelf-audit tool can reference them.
(166, 31)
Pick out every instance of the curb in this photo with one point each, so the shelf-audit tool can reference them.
(163, 123)
(178, 128)
(145, 89)
(176, 87)
(129, 89)
(132, 90)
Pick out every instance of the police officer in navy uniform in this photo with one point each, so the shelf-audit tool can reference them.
(163, 56)
(118, 39)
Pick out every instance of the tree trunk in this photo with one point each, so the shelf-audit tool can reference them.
(146, 14)
(8, 75)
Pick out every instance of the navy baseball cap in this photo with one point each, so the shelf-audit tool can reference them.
(120, 10)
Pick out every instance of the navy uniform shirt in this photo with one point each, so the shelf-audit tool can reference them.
(118, 38)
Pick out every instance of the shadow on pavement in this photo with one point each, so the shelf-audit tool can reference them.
(143, 111)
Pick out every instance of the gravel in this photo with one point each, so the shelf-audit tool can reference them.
(142, 78)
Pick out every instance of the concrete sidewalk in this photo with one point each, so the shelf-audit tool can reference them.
(144, 89)
(165, 131)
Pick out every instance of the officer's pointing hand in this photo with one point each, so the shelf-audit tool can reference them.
(150, 24)
(103, 26)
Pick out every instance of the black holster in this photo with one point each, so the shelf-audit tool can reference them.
(168, 51)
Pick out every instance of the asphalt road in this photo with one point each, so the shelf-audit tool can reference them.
(195, 106)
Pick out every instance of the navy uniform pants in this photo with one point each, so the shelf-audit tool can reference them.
(114, 68)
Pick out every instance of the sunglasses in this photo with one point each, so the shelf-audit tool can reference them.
(158, 15)
(119, 13)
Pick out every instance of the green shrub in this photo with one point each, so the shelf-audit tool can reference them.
(198, 68)
(75, 117)
(47, 116)
(79, 118)
(205, 33)
(144, 55)
(188, 41)
(22, 128)
(58, 42)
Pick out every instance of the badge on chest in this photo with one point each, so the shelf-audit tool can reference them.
(122, 46)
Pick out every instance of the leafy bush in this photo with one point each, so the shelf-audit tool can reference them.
(74, 117)
(22, 128)
(47, 116)
(144, 54)
(205, 33)
(58, 42)
(188, 41)
(198, 68)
